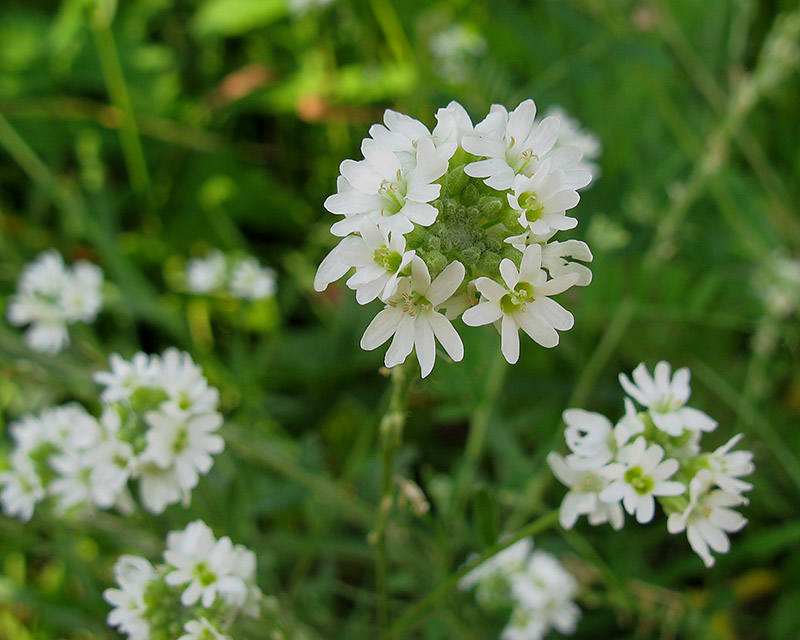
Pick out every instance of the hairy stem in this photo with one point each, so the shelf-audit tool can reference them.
(390, 433)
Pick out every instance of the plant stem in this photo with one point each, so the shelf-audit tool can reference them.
(416, 613)
(390, 433)
(478, 428)
(120, 98)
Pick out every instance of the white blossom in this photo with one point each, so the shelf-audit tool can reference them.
(205, 566)
(251, 281)
(22, 489)
(523, 303)
(708, 518)
(390, 195)
(411, 317)
(583, 498)
(379, 259)
(726, 466)
(204, 275)
(543, 199)
(50, 296)
(202, 629)
(666, 398)
(132, 575)
(639, 476)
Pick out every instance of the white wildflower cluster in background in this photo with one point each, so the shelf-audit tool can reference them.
(459, 222)
(533, 584)
(453, 49)
(50, 296)
(777, 283)
(158, 427)
(239, 277)
(654, 455)
(203, 589)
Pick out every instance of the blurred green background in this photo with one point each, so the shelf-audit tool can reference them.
(141, 135)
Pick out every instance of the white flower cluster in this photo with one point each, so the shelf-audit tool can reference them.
(242, 278)
(654, 454)
(200, 592)
(539, 590)
(158, 426)
(459, 221)
(51, 296)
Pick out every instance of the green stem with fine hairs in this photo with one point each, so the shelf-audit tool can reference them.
(390, 434)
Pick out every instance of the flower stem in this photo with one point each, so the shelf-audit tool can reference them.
(479, 426)
(418, 611)
(120, 98)
(390, 433)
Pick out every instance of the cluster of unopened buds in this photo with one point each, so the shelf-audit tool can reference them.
(459, 221)
(201, 592)
(240, 277)
(50, 296)
(534, 585)
(654, 455)
(158, 426)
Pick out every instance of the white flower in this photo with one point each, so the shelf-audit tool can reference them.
(50, 296)
(132, 574)
(523, 303)
(379, 259)
(22, 489)
(525, 624)
(666, 398)
(183, 381)
(638, 477)
(547, 590)
(159, 487)
(452, 48)
(543, 199)
(202, 629)
(515, 145)
(251, 281)
(726, 467)
(73, 485)
(126, 377)
(505, 563)
(204, 275)
(112, 463)
(590, 437)
(206, 565)
(452, 124)
(183, 441)
(80, 298)
(555, 254)
(583, 497)
(382, 190)
(411, 317)
(708, 517)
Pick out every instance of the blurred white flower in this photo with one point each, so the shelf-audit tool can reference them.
(22, 489)
(132, 575)
(204, 275)
(50, 296)
(202, 629)
(452, 49)
(251, 281)
(206, 566)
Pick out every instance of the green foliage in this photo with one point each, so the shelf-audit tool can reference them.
(143, 141)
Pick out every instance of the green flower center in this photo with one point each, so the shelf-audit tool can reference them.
(394, 194)
(412, 303)
(388, 259)
(534, 208)
(180, 442)
(202, 572)
(590, 483)
(517, 299)
(643, 484)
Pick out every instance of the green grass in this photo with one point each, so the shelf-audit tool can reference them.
(181, 126)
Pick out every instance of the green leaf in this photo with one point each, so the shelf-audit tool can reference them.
(484, 511)
(235, 17)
